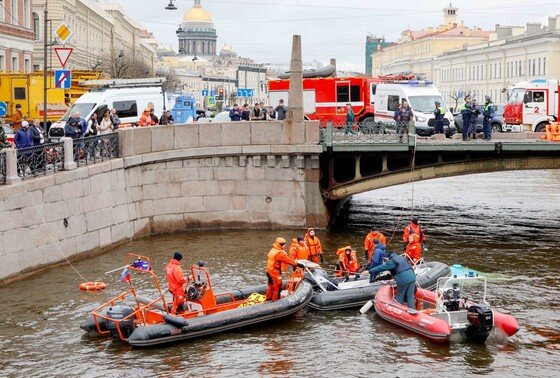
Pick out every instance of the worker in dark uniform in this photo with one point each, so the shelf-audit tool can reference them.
(404, 277)
(488, 114)
(438, 113)
(466, 112)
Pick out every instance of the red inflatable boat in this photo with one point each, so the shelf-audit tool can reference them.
(446, 314)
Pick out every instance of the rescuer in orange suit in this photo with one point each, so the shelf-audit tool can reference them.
(298, 249)
(176, 281)
(18, 117)
(369, 245)
(314, 245)
(414, 248)
(347, 262)
(414, 228)
(276, 258)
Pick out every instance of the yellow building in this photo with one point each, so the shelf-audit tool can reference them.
(415, 50)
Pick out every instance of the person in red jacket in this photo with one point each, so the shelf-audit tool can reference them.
(276, 258)
(145, 119)
(413, 228)
(369, 246)
(176, 281)
(347, 262)
(414, 248)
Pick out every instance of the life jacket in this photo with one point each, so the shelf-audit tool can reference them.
(413, 229)
(369, 245)
(401, 265)
(274, 263)
(298, 251)
(350, 262)
(313, 243)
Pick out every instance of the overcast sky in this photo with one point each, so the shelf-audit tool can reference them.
(262, 29)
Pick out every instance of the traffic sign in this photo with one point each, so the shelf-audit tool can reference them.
(63, 53)
(212, 93)
(63, 32)
(242, 92)
(3, 109)
(211, 101)
(205, 92)
(62, 79)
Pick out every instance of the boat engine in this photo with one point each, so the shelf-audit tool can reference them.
(118, 313)
(481, 322)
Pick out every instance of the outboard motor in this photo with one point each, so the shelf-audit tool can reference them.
(481, 322)
(126, 326)
(451, 298)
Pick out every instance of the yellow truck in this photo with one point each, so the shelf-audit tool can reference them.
(26, 89)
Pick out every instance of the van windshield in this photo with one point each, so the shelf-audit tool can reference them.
(517, 96)
(425, 104)
(83, 108)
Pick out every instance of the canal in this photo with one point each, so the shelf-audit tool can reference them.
(505, 224)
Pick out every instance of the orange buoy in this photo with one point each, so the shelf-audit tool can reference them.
(92, 286)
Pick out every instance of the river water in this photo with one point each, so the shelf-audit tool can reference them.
(505, 224)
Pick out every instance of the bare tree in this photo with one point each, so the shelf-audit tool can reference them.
(172, 80)
(455, 96)
(126, 67)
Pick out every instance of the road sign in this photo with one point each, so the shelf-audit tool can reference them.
(63, 32)
(242, 92)
(63, 53)
(3, 109)
(211, 101)
(62, 79)
(212, 93)
(205, 92)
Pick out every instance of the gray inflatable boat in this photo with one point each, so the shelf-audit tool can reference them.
(335, 294)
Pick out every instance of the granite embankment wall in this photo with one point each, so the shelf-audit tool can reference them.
(168, 178)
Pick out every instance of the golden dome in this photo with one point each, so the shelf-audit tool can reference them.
(197, 14)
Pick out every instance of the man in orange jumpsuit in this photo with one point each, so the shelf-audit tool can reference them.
(276, 258)
(18, 117)
(369, 245)
(298, 249)
(413, 228)
(347, 262)
(414, 248)
(176, 281)
(314, 245)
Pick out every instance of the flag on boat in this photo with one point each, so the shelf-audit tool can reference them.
(125, 275)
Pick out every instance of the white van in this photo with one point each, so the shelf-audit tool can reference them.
(128, 97)
(421, 96)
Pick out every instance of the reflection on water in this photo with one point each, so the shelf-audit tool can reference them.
(505, 224)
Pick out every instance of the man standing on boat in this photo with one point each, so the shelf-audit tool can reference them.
(379, 253)
(298, 249)
(413, 228)
(176, 281)
(404, 277)
(314, 245)
(369, 244)
(347, 263)
(276, 258)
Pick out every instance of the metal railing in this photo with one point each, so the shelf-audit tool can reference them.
(40, 160)
(95, 149)
(3, 167)
(365, 132)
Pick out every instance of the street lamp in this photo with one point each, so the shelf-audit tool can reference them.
(171, 6)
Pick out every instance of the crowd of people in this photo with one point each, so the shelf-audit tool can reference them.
(309, 248)
(259, 112)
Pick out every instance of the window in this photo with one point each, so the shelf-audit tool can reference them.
(538, 96)
(355, 93)
(544, 66)
(126, 108)
(393, 102)
(2, 12)
(342, 93)
(27, 64)
(14, 12)
(19, 93)
(36, 67)
(2, 60)
(539, 67)
(26, 13)
(15, 63)
(516, 68)
(534, 66)
(36, 26)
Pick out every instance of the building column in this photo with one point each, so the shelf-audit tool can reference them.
(357, 170)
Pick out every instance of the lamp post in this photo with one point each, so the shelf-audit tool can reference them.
(45, 86)
(171, 6)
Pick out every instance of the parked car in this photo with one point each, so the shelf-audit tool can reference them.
(497, 121)
(10, 134)
(220, 117)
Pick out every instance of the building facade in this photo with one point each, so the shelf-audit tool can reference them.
(197, 35)
(373, 44)
(16, 35)
(512, 55)
(102, 36)
(416, 49)
(253, 77)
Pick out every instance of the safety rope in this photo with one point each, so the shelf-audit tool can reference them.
(56, 242)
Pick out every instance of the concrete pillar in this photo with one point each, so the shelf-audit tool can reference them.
(11, 166)
(295, 93)
(357, 173)
(68, 145)
(384, 167)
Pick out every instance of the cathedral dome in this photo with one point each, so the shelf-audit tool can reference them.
(197, 14)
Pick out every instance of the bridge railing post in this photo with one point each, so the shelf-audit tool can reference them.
(411, 134)
(329, 134)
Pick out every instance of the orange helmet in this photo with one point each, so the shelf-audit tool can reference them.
(280, 240)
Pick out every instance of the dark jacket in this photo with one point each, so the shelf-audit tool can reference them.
(488, 111)
(23, 138)
(466, 111)
(403, 115)
(70, 130)
(235, 115)
(154, 118)
(35, 135)
(246, 115)
(164, 120)
(115, 120)
(281, 112)
(404, 273)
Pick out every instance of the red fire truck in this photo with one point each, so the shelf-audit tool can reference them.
(325, 98)
(532, 105)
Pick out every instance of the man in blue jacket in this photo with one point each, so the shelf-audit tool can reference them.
(379, 253)
(235, 113)
(404, 277)
(23, 136)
